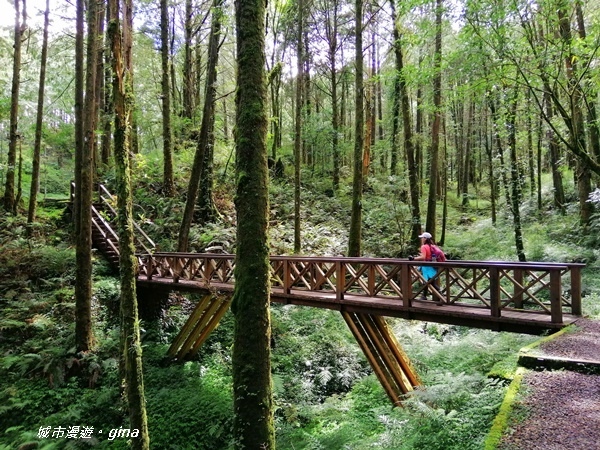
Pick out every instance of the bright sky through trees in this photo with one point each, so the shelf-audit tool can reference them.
(59, 18)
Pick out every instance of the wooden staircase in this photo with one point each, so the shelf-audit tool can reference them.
(104, 224)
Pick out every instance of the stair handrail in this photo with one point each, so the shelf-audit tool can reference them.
(103, 190)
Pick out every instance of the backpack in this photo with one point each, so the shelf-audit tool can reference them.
(437, 253)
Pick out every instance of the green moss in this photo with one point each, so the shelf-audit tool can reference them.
(501, 421)
(536, 344)
(505, 369)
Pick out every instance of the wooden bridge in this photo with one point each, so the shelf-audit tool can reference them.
(501, 296)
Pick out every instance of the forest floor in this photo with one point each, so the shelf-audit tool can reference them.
(558, 409)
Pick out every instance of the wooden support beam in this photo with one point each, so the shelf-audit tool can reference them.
(372, 357)
(399, 353)
(199, 326)
(401, 382)
(189, 325)
(225, 303)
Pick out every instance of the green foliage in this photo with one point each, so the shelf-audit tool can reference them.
(190, 406)
(314, 354)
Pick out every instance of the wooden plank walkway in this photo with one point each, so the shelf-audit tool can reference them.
(519, 321)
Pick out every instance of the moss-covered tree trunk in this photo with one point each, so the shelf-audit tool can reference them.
(430, 223)
(331, 30)
(298, 126)
(516, 193)
(107, 104)
(83, 284)
(396, 98)
(188, 64)
(35, 174)
(11, 162)
(253, 398)
(354, 238)
(168, 185)
(130, 331)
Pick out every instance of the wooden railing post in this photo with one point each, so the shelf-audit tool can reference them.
(149, 266)
(286, 277)
(495, 291)
(518, 290)
(372, 280)
(207, 272)
(575, 290)
(406, 285)
(555, 296)
(340, 280)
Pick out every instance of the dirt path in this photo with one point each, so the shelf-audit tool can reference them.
(560, 409)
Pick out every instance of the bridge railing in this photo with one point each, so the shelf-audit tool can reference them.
(545, 288)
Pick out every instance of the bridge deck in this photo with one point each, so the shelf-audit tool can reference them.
(519, 321)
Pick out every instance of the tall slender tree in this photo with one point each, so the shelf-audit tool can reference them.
(354, 238)
(131, 344)
(430, 223)
(9, 186)
(298, 124)
(83, 254)
(35, 173)
(252, 390)
(168, 184)
(206, 138)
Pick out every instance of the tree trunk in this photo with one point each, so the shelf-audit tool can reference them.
(130, 331)
(205, 140)
(516, 196)
(11, 162)
(79, 98)
(497, 141)
(577, 130)
(275, 85)
(354, 239)
(107, 109)
(298, 125)
(413, 175)
(37, 147)
(491, 173)
(83, 284)
(380, 130)
(332, 38)
(253, 398)
(430, 223)
(396, 97)
(188, 88)
(557, 182)
(168, 184)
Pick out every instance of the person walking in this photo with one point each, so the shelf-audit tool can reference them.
(429, 252)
